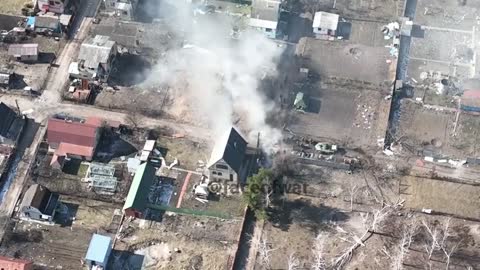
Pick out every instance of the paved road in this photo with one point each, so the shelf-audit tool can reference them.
(87, 9)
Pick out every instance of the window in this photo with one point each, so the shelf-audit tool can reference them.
(221, 167)
(219, 173)
(214, 173)
(268, 30)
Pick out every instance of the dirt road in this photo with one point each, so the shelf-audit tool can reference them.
(51, 102)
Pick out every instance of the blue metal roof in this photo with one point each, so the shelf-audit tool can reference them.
(98, 248)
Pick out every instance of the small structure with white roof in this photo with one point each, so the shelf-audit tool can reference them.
(325, 24)
(264, 17)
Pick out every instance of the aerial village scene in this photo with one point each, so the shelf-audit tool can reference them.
(239, 134)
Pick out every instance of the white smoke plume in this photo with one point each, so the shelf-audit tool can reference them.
(220, 76)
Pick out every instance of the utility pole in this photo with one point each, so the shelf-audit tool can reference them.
(18, 107)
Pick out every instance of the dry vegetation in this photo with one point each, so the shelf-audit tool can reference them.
(13, 7)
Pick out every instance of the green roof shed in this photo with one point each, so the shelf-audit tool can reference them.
(137, 198)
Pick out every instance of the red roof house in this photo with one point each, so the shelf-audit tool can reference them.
(15, 264)
(73, 139)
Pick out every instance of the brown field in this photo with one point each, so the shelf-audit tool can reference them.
(441, 196)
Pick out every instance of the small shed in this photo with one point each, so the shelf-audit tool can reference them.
(24, 52)
(65, 21)
(98, 252)
(6, 78)
(325, 24)
(149, 145)
(133, 164)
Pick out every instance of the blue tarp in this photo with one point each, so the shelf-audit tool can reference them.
(31, 22)
(99, 249)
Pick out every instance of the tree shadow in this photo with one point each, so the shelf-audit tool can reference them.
(301, 211)
(66, 214)
(17, 81)
(72, 166)
(46, 57)
(113, 146)
(121, 259)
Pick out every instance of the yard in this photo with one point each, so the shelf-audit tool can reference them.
(65, 243)
(433, 130)
(441, 196)
(181, 242)
(13, 7)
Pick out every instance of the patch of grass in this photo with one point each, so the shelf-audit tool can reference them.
(82, 170)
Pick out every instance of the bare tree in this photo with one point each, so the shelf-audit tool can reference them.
(352, 191)
(318, 250)
(264, 252)
(449, 252)
(439, 242)
(133, 119)
(404, 245)
(293, 262)
(372, 223)
(432, 244)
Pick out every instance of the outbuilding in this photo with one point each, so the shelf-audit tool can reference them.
(98, 252)
(325, 24)
(137, 198)
(24, 52)
(39, 203)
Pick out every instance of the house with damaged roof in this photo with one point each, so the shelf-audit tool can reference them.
(95, 59)
(39, 204)
(228, 159)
